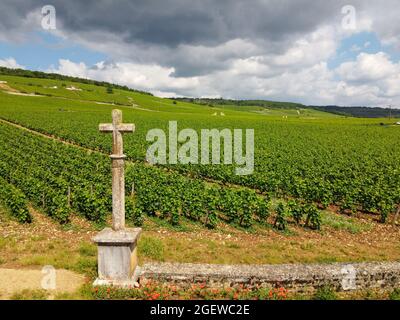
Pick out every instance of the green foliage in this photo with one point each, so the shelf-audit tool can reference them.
(325, 293)
(296, 210)
(88, 203)
(329, 160)
(133, 213)
(341, 222)
(245, 216)
(395, 294)
(262, 208)
(259, 103)
(15, 200)
(281, 216)
(313, 217)
(362, 112)
(60, 178)
(170, 196)
(385, 208)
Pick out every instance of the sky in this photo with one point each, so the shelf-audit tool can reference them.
(316, 52)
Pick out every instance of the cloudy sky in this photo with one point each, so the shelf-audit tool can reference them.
(316, 52)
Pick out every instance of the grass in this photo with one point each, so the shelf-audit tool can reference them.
(395, 294)
(325, 293)
(229, 246)
(4, 242)
(87, 250)
(160, 242)
(26, 249)
(71, 227)
(154, 223)
(30, 295)
(340, 222)
(151, 248)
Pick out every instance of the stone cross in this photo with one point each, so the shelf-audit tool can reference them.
(117, 157)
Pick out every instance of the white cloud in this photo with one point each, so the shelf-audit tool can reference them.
(310, 49)
(70, 68)
(368, 67)
(151, 78)
(371, 79)
(10, 63)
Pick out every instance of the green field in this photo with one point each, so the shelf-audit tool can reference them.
(307, 157)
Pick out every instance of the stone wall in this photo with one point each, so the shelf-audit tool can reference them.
(295, 277)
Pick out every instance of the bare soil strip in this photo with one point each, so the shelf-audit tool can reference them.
(14, 281)
(5, 87)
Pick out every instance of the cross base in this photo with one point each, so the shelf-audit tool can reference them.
(117, 257)
(125, 284)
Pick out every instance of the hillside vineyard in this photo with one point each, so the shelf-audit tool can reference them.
(307, 158)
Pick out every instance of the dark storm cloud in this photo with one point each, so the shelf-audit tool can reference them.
(174, 22)
(188, 35)
(163, 31)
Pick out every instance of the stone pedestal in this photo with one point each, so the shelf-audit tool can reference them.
(117, 257)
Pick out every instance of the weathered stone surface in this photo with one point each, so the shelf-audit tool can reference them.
(117, 254)
(107, 235)
(297, 277)
(118, 178)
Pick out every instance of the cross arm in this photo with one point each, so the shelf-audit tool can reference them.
(126, 127)
(108, 127)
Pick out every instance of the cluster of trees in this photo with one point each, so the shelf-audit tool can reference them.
(361, 112)
(256, 103)
(358, 112)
